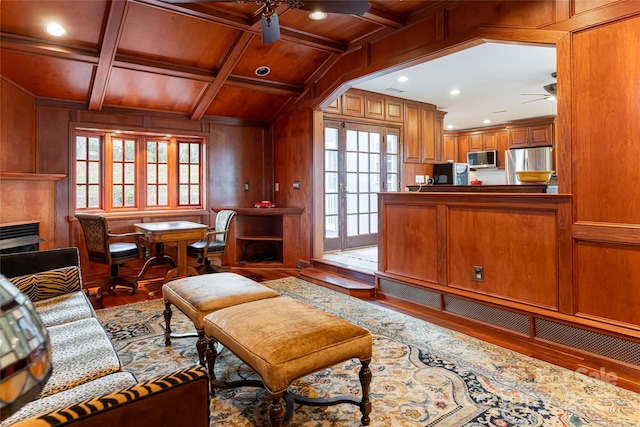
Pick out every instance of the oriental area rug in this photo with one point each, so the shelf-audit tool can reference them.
(423, 375)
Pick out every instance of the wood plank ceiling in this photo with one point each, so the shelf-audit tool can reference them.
(195, 59)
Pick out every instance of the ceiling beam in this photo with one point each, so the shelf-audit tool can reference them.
(24, 44)
(228, 64)
(110, 38)
(382, 17)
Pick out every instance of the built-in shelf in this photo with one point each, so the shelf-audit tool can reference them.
(263, 237)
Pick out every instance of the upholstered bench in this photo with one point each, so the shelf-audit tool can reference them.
(282, 340)
(198, 296)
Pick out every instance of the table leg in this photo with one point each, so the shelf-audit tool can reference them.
(182, 269)
(158, 259)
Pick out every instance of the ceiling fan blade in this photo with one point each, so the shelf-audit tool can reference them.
(270, 29)
(533, 100)
(350, 7)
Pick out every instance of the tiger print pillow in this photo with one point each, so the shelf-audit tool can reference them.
(51, 283)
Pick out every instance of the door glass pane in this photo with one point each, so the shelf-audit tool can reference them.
(363, 165)
(364, 223)
(331, 226)
(331, 160)
(352, 225)
(363, 141)
(352, 203)
(331, 182)
(352, 140)
(331, 204)
(352, 162)
(331, 139)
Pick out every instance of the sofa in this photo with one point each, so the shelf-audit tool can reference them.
(88, 386)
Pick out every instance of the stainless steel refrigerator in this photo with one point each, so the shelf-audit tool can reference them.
(527, 159)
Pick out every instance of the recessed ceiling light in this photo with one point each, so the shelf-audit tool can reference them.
(449, 126)
(263, 71)
(55, 29)
(454, 92)
(403, 79)
(486, 122)
(551, 98)
(318, 16)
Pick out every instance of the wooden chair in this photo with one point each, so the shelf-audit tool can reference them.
(215, 244)
(103, 248)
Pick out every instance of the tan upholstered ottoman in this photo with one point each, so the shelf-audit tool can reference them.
(282, 340)
(197, 296)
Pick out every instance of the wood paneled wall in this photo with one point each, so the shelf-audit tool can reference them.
(293, 157)
(17, 129)
(605, 143)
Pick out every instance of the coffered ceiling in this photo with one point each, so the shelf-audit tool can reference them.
(192, 59)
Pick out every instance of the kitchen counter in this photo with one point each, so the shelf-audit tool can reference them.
(523, 188)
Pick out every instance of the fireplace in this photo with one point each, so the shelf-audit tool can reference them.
(20, 237)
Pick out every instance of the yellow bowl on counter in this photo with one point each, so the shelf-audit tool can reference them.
(534, 177)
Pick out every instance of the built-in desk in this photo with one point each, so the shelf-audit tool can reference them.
(263, 237)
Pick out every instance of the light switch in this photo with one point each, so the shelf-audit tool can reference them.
(296, 185)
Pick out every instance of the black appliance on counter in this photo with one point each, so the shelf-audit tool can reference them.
(451, 173)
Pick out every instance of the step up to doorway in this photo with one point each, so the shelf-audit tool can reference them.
(338, 282)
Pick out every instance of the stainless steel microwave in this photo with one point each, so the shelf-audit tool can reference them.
(482, 159)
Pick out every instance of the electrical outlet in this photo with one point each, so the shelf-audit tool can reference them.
(246, 186)
(296, 185)
(419, 179)
(478, 273)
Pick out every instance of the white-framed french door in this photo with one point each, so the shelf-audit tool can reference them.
(360, 160)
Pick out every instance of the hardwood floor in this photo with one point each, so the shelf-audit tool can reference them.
(120, 296)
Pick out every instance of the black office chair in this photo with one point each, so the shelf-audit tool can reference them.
(103, 248)
(215, 244)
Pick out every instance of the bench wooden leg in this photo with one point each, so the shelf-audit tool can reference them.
(201, 346)
(365, 381)
(276, 410)
(212, 353)
(167, 323)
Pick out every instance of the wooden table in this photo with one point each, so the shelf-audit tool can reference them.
(180, 232)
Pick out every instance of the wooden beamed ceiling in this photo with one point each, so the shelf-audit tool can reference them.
(195, 59)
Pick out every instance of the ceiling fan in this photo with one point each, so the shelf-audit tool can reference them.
(550, 89)
(270, 23)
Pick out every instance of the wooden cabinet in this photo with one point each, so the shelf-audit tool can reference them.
(268, 237)
(393, 111)
(503, 144)
(353, 104)
(450, 148)
(483, 141)
(428, 133)
(422, 133)
(531, 135)
(412, 149)
(374, 107)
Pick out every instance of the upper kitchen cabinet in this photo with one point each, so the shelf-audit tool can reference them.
(423, 125)
(483, 141)
(531, 134)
